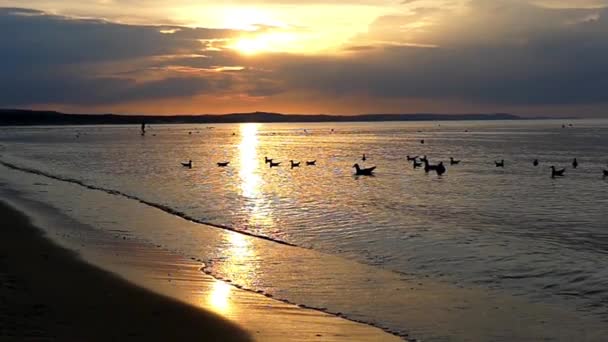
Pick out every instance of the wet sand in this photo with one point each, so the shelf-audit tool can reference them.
(48, 293)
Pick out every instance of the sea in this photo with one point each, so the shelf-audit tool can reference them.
(414, 253)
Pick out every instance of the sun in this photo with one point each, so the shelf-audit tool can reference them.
(249, 46)
(265, 42)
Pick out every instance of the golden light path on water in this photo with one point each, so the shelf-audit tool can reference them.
(238, 252)
(219, 298)
(250, 177)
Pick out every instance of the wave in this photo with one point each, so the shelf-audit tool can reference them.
(162, 207)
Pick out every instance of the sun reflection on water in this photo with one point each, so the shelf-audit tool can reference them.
(248, 150)
(219, 298)
(250, 177)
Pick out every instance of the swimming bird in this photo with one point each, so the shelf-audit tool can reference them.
(501, 163)
(422, 141)
(363, 158)
(223, 164)
(605, 173)
(273, 164)
(188, 164)
(311, 163)
(411, 158)
(363, 172)
(416, 164)
(535, 162)
(294, 164)
(267, 160)
(575, 163)
(556, 173)
(440, 169)
(454, 162)
(428, 167)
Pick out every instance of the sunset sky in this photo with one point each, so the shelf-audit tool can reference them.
(545, 57)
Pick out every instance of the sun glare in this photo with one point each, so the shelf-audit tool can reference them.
(265, 42)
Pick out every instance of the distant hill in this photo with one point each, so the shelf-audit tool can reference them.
(15, 117)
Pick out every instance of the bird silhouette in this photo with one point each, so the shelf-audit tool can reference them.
(294, 164)
(575, 163)
(363, 172)
(223, 164)
(311, 163)
(557, 173)
(535, 162)
(267, 160)
(440, 169)
(363, 158)
(453, 161)
(188, 164)
(500, 163)
(428, 167)
(605, 173)
(273, 164)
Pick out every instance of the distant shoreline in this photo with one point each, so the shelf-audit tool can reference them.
(19, 117)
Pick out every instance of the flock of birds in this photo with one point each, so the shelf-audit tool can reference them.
(417, 162)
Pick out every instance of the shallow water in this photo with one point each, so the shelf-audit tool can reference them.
(514, 231)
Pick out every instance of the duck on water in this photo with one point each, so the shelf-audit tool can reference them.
(557, 173)
(363, 172)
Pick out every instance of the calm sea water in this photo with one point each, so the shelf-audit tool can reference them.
(515, 230)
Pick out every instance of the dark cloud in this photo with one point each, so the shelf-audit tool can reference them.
(49, 59)
(501, 53)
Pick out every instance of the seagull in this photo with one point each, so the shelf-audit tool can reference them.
(454, 162)
(273, 164)
(428, 167)
(575, 163)
(188, 164)
(557, 173)
(294, 164)
(311, 163)
(535, 162)
(223, 164)
(500, 163)
(363, 172)
(440, 169)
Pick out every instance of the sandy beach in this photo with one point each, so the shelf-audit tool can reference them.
(48, 293)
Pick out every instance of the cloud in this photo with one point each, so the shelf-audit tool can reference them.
(499, 54)
(503, 53)
(49, 59)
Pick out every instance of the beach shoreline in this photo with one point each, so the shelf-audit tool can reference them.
(150, 294)
(137, 243)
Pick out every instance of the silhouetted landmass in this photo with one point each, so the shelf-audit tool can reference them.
(29, 117)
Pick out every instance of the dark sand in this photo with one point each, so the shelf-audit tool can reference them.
(48, 293)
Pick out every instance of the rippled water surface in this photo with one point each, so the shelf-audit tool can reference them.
(514, 229)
